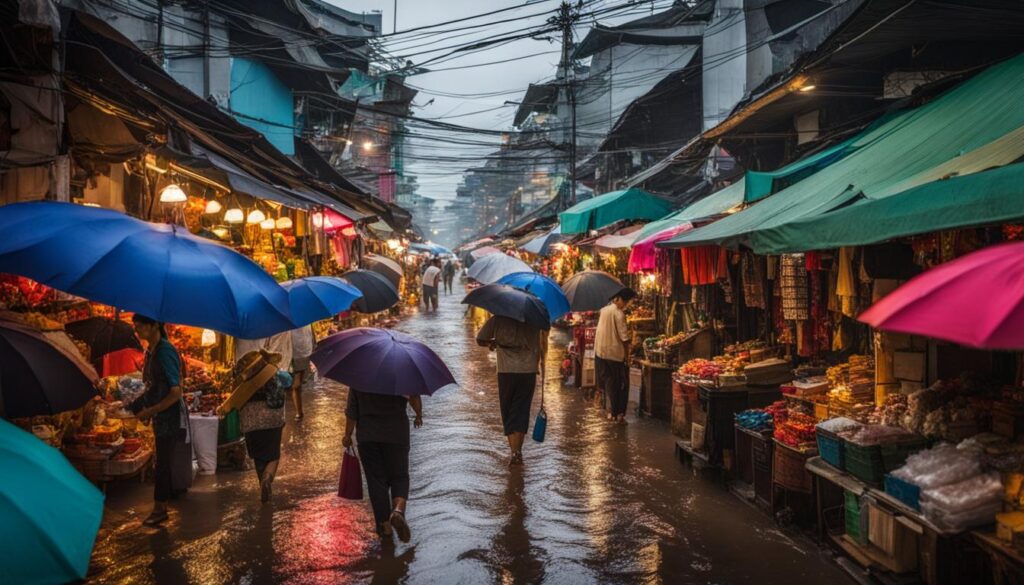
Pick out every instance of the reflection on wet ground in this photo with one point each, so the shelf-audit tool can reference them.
(595, 503)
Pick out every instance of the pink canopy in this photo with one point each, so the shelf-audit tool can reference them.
(642, 256)
(977, 300)
(485, 251)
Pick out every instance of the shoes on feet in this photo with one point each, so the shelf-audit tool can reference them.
(266, 489)
(155, 518)
(384, 530)
(401, 526)
(517, 459)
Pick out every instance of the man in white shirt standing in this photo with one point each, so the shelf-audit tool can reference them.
(430, 281)
(611, 352)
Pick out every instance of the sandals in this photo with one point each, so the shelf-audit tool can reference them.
(266, 489)
(156, 518)
(401, 526)
(517, 459)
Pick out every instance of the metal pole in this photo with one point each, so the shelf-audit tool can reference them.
(394, 22)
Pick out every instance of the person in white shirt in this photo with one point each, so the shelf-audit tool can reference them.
(611, 350)
(431, 277)
(302, 347)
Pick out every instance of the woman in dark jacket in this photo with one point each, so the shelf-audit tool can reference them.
(381, 424)
(163, 404)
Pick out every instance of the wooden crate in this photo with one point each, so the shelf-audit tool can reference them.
(895, 543)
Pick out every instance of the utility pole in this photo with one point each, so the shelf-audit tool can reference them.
(567, 16)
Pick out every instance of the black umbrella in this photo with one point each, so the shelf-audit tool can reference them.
(386, 267)
(378, 292)
(591, 290)
(103, 336)
(37, 377)
(511, 302)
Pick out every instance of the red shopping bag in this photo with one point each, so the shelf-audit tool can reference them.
(350, 485)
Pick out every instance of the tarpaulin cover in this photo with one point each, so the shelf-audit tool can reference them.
(603, 210)
(979, 111)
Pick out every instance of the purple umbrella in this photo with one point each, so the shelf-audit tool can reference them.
(381, 361)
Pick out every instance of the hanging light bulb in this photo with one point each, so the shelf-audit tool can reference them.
(318, 220)
(255, 216)
(284, 223)
(221, 232)
(209, 338)
(267, 224)
(234, 215)
(213, 206)
(172, 194)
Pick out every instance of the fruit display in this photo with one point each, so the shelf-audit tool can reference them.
(198, 380)
(797, 430)
(701, 369)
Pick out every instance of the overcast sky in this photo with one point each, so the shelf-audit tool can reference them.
(448, 94)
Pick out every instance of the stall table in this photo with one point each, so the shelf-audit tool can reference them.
(656, 390)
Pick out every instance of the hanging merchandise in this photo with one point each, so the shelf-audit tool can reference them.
(703, 264)
(846, 283)
(752, 269)
(793, 283)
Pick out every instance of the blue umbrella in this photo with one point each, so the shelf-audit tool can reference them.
(159, 270)
(380, 361)
(493, 267)
(506, 301)
(543, 288)
(50, 512)
(314, 298)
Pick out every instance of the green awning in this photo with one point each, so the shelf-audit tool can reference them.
(762, 184)
(893, 151)
(603, 210)
(984, 198)
(714, 204)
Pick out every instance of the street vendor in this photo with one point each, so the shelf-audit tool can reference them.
(162, 403)
(611, 352)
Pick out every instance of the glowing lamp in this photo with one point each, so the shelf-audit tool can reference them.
(284, 223)
(208, 338)
(255, 216)
(172, 194)
(349, 232)
(213, 206)
(394, 244)
(268, 224)
(234, 215)
(807, 88)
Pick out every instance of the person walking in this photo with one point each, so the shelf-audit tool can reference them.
(381, 425)
(449, 276)
(162, 403)
(302, 347)
(431, 278)
(611, 352)
(258, 393)
(521, 351)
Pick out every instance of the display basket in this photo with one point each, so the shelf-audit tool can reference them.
(864, 462)
(832, 449)
(789, 469)
(122, 467)
(894, 455)
(903, 491)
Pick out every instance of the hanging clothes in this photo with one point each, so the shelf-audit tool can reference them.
(846, 283)
(752, 277)
(703, 264)
(793, 283)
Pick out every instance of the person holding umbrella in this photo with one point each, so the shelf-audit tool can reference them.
(386, 372)
(448, 272)
(521, 347)
(162, 403)
(611, 353)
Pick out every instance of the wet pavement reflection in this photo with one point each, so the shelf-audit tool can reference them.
(595, 503)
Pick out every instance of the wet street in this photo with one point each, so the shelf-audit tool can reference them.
(595, 503)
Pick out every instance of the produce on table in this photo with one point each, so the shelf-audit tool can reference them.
(701, 369)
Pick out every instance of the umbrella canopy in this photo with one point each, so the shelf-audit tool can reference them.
(485, 251)
(103, 336)
(623, 238)
(542, 244)
(386, 267)
(543, 288)
(315, 298)
(976, 300)
(590, 290)
(381, 361)
(378, 293)
(51, 513)
(491, 268)
(642, 257)
(603, 210)
(507, 301)
(159, 270)
(38, 377)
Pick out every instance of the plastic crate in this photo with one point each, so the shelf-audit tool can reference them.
(894, 455)
(865, 462)
(856, 519)
(907, 493)
(832, 449)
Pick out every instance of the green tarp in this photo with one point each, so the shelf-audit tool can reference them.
(989, 197)
(762, 184)
(886, 157)
(714, 204)
(603, 210)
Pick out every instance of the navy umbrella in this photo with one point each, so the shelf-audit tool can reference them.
(159, 270)
(378, 293)
(591, 290)
(39, 378)
(314, 298)
(380, 361)
(507, 301)
(543, 288)
(103, 336)
(386, 267)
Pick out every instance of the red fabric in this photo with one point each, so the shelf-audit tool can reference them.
(813, 260)
(350, 484)
(703, 264)
(121, 362)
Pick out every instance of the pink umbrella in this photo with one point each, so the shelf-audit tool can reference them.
(977, 300)
(485, 251)
(642, 256)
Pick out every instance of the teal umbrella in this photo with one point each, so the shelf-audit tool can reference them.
(50, 512)
(603, 210)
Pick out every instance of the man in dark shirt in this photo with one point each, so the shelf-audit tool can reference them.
(381, 424)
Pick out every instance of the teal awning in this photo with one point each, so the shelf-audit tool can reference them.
(603, 210)
(989, 197)
(886, 157)
(714, 204)
(761, 184)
